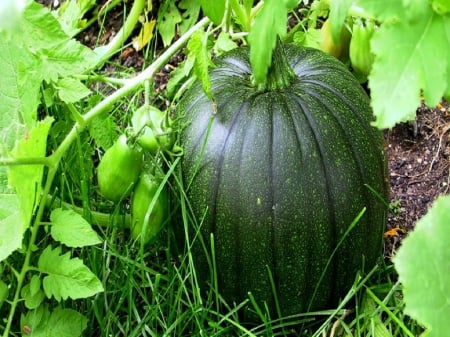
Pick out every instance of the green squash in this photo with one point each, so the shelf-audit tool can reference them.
(277, 176)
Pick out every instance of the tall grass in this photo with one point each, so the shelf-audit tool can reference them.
(154, 291)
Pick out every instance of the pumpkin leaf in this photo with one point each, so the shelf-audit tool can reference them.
(422, 263)
(402, 69)
(26, 180)
(338, 14)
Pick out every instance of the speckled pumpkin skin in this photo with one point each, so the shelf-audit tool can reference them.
(278, 177)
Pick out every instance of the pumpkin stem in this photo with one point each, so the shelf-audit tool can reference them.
(280, 74)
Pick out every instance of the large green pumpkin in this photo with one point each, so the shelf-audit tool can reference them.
(278, 175)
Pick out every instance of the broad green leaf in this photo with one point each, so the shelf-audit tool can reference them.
(71, 90)
(383, 10)
(168, 18)
(66, 59)
(104, 130)
(59, 53)
(32, 293)
(197, 47)
(36, 321)
(223, 43)
(70, 15)
(423, 264)
(19, 90)
(66, 322)
(66, 276)
(411, 56)
(191, 11)
(214, 10)
(338, 14)
(11, 225)
(72, 229)
(41, 322)
(42, 29)
(309, 38)
(269, 23)
(26, 180)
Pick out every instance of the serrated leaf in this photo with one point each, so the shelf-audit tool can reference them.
(67, 323)
(104, 130)
(72, 229)
(66, 276)
(71, 90)
(59, 53)
(26, 180)
(410, 56)
(168, 17)
(11, 225)
(19, 90)
(214, 10)
(198, 50)
(423, 264)
(59, 323)
(66, 59)
(35, 321)
(191, 11)
(269, 23)
(70, 15)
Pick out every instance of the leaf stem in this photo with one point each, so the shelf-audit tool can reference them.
(98, 218)
(25, 161)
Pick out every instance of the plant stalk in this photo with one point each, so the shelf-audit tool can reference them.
(280, 74)
(122, 35)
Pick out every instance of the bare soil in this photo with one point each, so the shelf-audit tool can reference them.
(419, 168)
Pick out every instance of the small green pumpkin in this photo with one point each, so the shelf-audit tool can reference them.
(277, 175)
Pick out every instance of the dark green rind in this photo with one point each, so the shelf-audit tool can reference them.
(282, 176)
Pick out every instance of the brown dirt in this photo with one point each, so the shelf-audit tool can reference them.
(419, 167)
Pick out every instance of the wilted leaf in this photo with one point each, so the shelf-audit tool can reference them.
(145, 35)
